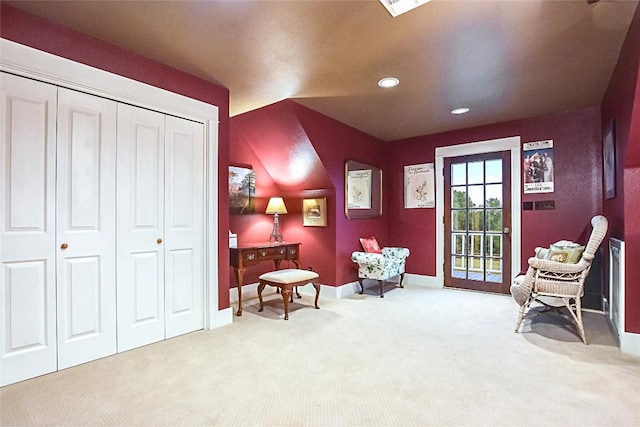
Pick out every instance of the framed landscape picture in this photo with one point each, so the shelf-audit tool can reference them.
(242, 190)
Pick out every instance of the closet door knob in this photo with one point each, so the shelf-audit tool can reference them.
(64, 246)
(159, 241)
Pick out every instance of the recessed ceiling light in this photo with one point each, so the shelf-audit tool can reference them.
(462, 110)
(388, 82)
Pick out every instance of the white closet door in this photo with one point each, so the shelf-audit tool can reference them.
(27, 229)
(86, 227)
(184, 229)
(140, 221)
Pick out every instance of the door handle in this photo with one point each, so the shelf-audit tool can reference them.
(506, 230)
(64, 246)
(159, 241)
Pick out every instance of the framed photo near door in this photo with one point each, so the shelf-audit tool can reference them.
(609, 161)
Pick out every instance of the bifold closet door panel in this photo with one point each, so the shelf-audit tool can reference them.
(184, 226)
(27, 228)
(140, 223)
(86, 227)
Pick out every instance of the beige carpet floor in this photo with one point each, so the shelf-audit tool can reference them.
(418, 357)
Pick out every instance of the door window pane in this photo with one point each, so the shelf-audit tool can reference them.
(476, 196)
(493, 171)
(493, 196)
(459, 174)
(459, 197)
(493, 245)
(476, 172)
(494, 219)
(459, 220)
(476, 220)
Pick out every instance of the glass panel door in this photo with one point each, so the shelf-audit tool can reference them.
(477, 222)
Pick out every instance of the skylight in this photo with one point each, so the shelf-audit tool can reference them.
(398, 7)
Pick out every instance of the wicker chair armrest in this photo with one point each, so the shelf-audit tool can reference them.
(558, 267)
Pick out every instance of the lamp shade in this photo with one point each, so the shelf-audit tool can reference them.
(276, 206)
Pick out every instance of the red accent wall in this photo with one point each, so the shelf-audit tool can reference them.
(297, 152)
(577, 174)
(622, 105)
(33, 31)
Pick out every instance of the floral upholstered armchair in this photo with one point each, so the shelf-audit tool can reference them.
(379, 264)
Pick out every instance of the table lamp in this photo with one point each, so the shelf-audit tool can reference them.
(276, 206)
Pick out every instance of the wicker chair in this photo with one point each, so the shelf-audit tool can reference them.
(547, 278)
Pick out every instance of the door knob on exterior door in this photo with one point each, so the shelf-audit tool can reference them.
(506, 230)
(159, 240)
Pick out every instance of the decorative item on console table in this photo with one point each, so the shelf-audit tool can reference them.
(274, 207)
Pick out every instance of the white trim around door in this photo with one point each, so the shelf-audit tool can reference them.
(511, 144)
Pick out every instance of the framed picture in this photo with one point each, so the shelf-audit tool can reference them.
(314, 212)
(609, 161)
(363, 190)
(419, 189)
(242, 190)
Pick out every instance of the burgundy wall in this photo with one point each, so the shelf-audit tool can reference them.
(577, 167)
(275, 141)
(33, 31)
(622, 105)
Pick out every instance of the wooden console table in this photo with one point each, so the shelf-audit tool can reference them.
(247, 255)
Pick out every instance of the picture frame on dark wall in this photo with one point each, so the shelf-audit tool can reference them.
(314, 212)
(242, 190)
(609, 161)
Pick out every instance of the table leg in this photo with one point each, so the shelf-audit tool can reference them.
(239, 273)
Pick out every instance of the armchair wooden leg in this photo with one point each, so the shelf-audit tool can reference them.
(380, 285)
(401, 279)
(361, 286)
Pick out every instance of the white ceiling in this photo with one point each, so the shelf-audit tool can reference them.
(505, 60)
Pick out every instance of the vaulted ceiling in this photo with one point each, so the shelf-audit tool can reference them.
(504, 60)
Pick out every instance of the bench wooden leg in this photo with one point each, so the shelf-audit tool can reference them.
(260, 289)
(317, 286)
(286, 293)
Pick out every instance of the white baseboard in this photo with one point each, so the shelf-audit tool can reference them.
(222, 318)
(630, 343)
(420, 280)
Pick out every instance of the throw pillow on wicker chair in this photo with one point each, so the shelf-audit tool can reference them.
(565, 251)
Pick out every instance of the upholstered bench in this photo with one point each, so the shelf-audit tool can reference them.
(286, 280)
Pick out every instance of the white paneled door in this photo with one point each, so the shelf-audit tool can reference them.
(27, 229)
(184, 226)
(86, 220)
(160, 192)
(140, 224)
